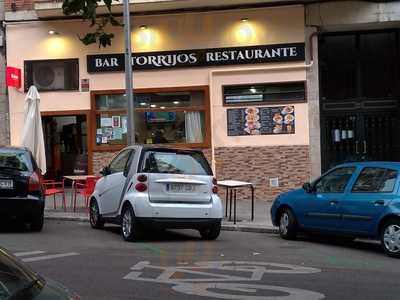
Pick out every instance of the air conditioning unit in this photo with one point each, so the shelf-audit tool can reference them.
(47, 76)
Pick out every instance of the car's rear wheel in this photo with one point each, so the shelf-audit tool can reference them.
(390, 238)
(96, 220)
(130, 228)
(211, 232)
(37, 222)
(287, 224)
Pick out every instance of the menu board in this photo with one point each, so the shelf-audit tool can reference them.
(261, 120)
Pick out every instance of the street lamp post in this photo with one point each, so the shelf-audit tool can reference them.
(129, 74)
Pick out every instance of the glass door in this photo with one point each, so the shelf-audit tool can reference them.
(66, 145)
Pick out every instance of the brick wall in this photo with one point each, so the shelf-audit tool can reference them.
(10, 5)
(291, 164)
(101, 159)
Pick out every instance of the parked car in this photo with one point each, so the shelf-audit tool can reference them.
(21, 190)
(353, 200)
(19, 282)
(147, 186)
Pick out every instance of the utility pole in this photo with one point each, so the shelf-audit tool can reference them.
(129, 75)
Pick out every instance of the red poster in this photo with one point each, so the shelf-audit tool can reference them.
(13, 77)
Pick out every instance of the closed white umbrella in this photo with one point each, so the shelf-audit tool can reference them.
(32, 134)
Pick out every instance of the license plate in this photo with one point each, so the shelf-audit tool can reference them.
(6, 184)
(180, 188)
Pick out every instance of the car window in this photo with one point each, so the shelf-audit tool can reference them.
(335, 181)
(119, 163)
(129, 162)
(15, 160)
(375, 180)
(190, 163)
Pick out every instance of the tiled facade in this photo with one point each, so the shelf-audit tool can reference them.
(290, 164)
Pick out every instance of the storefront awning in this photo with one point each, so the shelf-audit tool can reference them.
(53, 9)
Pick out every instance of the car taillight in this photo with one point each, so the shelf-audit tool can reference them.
(142, 178)
(34, 184)
(141, 187)
(215, 187)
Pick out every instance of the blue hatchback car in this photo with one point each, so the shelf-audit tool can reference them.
(354, 200)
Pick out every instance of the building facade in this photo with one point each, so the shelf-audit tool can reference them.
(257, 88)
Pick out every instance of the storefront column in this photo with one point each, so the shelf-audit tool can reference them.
(313, 102)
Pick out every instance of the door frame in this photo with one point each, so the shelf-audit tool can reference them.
(66, 113)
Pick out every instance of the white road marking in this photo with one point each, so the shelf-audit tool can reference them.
(227, 286)
(45, 257)
(19, 254)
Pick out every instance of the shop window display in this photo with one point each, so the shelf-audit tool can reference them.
(160, 118)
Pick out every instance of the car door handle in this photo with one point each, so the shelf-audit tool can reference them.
(379, 202)
(334, 202)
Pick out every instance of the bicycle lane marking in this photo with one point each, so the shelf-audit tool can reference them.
(231, 283)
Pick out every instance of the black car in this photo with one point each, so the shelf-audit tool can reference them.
(18, 282)
(21, 189)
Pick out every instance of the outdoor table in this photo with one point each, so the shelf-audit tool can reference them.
(75, 178)
(232, 186)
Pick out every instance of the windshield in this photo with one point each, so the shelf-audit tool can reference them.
(15, 279)
(14, 160)
(188, 163)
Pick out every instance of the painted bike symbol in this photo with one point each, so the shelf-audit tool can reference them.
(227, 280)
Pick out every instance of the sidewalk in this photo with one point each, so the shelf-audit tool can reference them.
(261, 223)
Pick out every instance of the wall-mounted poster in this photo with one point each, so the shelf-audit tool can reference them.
(261, 120)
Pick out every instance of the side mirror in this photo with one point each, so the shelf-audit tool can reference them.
(308, 187)
(105, 171)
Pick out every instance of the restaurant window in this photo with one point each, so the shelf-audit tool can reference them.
(264, 93)
(161, 117)
(52, 75)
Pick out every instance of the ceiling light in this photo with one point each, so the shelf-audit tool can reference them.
(162, 107)
(143, 103)
(53, 32)
(176, 102)
(253, 90)
(143, 27)
(244, 19)
(153, 106)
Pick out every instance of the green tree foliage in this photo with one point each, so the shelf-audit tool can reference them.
(87, 9)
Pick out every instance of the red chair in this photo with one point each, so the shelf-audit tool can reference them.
(52, 187)
(85, 189)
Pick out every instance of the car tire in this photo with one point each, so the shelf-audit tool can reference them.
(390, 238)
(287, 224)
(211, 232)
(37, 222)
(96, 221)
(129, 227)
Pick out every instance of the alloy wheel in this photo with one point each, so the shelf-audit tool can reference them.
(93, 213)
(284, 223)
(391, 238)
(127, 223)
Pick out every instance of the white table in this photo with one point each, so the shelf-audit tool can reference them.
(232, 186)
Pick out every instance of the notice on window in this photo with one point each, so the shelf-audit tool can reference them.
(261, 121)
(106, 122)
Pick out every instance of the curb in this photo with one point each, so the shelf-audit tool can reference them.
(226, 227)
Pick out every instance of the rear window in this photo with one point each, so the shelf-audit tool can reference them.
(15, 160)
(188, 163)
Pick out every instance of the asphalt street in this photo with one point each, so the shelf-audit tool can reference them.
(98, 264)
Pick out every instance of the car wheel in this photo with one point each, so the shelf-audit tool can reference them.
(287, 225)
(212, 232)
(130, 228)
(37, 222)
(390, 238)
(96, 220)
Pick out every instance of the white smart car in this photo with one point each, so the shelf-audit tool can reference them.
(146, 186)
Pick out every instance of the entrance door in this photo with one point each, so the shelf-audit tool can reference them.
(65, 140)
(359, 96)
